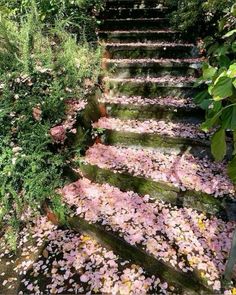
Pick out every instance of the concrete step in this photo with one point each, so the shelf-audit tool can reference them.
(177, 177)
(133, 13)
(155, 50)
(152, 133)
(142, 108)
(141, 36)
(135, 24)
(150, 87)
(129, 68)
(164, 238)
(134, 4)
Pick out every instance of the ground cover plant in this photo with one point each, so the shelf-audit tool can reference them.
(46, 65)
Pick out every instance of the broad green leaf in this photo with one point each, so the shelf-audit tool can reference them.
(234, 83)
(222, 89)
(232, 170)
(224, 61)
(230, 33)
(233, 10)
(218, 145)
(234, 46)
(208, 72)
(209, 123)
(229, 118)
(232, 71)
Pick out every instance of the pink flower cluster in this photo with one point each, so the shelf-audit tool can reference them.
(183, 171)
(72, 263)
(73, 107)
(141, 101)
(149, 44)
(179, 81)
(162, 128)
(164, 61)
(182, 237)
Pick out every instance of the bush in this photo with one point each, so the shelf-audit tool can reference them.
(43, 65)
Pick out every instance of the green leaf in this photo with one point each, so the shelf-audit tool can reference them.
(234, 83)
(229, 118)
(232, 71)
(230, 33)
(209, 123)
(208, 72)
(222, 89)
(234, 46)
(224, 61)
(218, 145)
(232, 170)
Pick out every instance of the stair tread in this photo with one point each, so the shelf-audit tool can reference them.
(149, 44)
(185, 172)
(137, 31)
(141, 19)
(185, 239)
(142, 101)
(165, 62)
(76, 263)
(170, 81)
(158, 127)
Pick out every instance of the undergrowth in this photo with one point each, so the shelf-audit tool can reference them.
(44, 61)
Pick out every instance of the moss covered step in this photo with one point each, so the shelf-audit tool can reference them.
(154, 133)
(150, 87)
(134, 4)
(155, 50)
(148, 232)
(136, 23)
(134, 12)
(177, 177)
(169, 108)
(75, 262)
(140, 35)
(127, 68)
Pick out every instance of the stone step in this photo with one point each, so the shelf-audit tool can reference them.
(156, 50)
(127, 68)
(169, 108)
(137, 23)
(124, 36)
(150, 87)
(134, 4)
(185, 247)
(77, 262)
(124, 13)
(153, 133)
(177, 177)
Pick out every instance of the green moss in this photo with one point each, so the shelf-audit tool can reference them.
(186, 283)
(158, 190)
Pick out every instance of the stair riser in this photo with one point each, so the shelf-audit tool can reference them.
(131, 4)
(159, 191)
(133, 13)
(151, 52)
(155, 112)
(147, 90)
(151, 140)
(152, 71)
(134, 24)
(140, 37)
(184, 283)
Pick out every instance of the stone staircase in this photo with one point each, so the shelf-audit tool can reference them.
(150, 190)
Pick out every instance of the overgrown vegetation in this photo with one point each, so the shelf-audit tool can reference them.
(216, 23)
(46, 59)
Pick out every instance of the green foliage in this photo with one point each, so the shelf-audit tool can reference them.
(42, 65)
(199, 16)
(219, 78)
